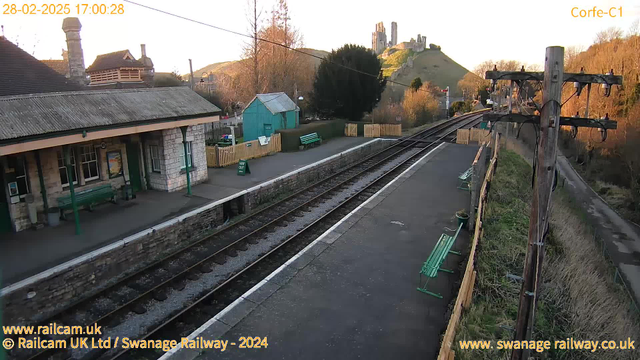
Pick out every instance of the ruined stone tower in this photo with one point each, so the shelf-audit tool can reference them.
(71, 26)
(379, 39)
(394, 34)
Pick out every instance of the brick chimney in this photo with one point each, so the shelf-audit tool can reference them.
(71, 27)
(148, 72)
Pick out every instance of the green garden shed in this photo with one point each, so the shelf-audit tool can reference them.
(267, 113)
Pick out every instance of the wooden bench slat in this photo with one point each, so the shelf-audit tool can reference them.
(310, 138)
(435, 260)
(88, 196)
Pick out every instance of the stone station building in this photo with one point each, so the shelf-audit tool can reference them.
(134, 137)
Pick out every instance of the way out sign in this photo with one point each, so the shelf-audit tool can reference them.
(243, 167)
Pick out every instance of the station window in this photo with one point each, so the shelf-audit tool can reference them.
(155, 158)
(89, 162)
(189, 155)
(19, 164)
(64, 179)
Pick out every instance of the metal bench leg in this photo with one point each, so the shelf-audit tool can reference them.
(430, 293)
(455, 252)
(446, 270)
(423, 289)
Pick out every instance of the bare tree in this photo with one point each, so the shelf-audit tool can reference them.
(609, 34)
(252, 50)
(634, 29)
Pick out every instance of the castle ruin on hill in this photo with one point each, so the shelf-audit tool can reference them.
(379, 40)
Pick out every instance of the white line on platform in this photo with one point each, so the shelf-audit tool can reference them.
(256, 287)
(129, 239)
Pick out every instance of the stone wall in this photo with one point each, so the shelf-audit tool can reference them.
(56, 288)
(173, 148)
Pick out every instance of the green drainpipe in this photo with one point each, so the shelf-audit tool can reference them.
(186, 160)
(43, 189)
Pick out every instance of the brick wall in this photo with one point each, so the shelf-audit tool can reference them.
(95, 271)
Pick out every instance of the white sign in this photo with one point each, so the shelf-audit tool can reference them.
(263, 140)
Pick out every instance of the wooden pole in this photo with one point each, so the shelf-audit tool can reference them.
(544, 176)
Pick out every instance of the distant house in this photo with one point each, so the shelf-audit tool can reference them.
(60, 66)
(21, 73)
(267, 113)
(145, 138)
(120, 69)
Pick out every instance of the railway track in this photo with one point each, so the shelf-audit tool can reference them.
(192, 270)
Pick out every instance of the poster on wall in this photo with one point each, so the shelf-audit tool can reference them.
(114, 163)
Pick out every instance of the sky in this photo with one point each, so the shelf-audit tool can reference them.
(468, 31)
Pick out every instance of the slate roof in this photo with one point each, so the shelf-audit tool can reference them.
(25, 116)
(21, 73)
(276, 102)
(60, 66)
(114, 60)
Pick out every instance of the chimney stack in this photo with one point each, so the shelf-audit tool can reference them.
(71, 27)
(143, 50)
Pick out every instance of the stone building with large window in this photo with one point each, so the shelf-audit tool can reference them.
(125, 139)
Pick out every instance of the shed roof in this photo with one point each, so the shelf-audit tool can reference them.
(21, 73)
(25, 116)
(114, 60)
(276, 102)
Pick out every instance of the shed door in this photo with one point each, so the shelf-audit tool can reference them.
(5, 217)
(268, 130)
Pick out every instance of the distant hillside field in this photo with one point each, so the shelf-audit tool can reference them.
(429, 65)
(234, 66)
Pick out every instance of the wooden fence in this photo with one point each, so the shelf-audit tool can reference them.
(465, 294)
(377, 130)
(224, 156)
(465, 136)
(350, 129)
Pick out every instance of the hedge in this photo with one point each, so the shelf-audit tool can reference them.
(326, 130)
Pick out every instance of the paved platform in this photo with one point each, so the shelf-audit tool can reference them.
(352, 293)
(29, 252)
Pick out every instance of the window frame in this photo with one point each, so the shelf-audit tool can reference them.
(16, 161)
(156, 160)
(182, 156)
(83, 161)
(60, 159)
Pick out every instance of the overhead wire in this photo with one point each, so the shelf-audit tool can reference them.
(266, 41)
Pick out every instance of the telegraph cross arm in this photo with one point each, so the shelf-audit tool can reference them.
(564, 120)
(539, 76)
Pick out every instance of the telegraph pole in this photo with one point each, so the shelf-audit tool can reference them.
(544, 177)
(550, 122)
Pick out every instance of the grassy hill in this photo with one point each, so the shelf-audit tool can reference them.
(430, 65)
(234, 66)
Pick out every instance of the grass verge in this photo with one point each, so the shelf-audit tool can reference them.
(578, 297)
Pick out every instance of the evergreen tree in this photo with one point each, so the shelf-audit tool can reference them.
(341, 92)
(416, 84)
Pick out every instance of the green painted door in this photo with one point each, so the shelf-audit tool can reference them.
(268, 130)
(134, 167)
(5, 217)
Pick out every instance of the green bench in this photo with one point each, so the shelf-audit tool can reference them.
(465, 179)
(433, 264)
(310, 139)
(87, 197)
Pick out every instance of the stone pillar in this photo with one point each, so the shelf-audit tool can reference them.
(71, 26)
